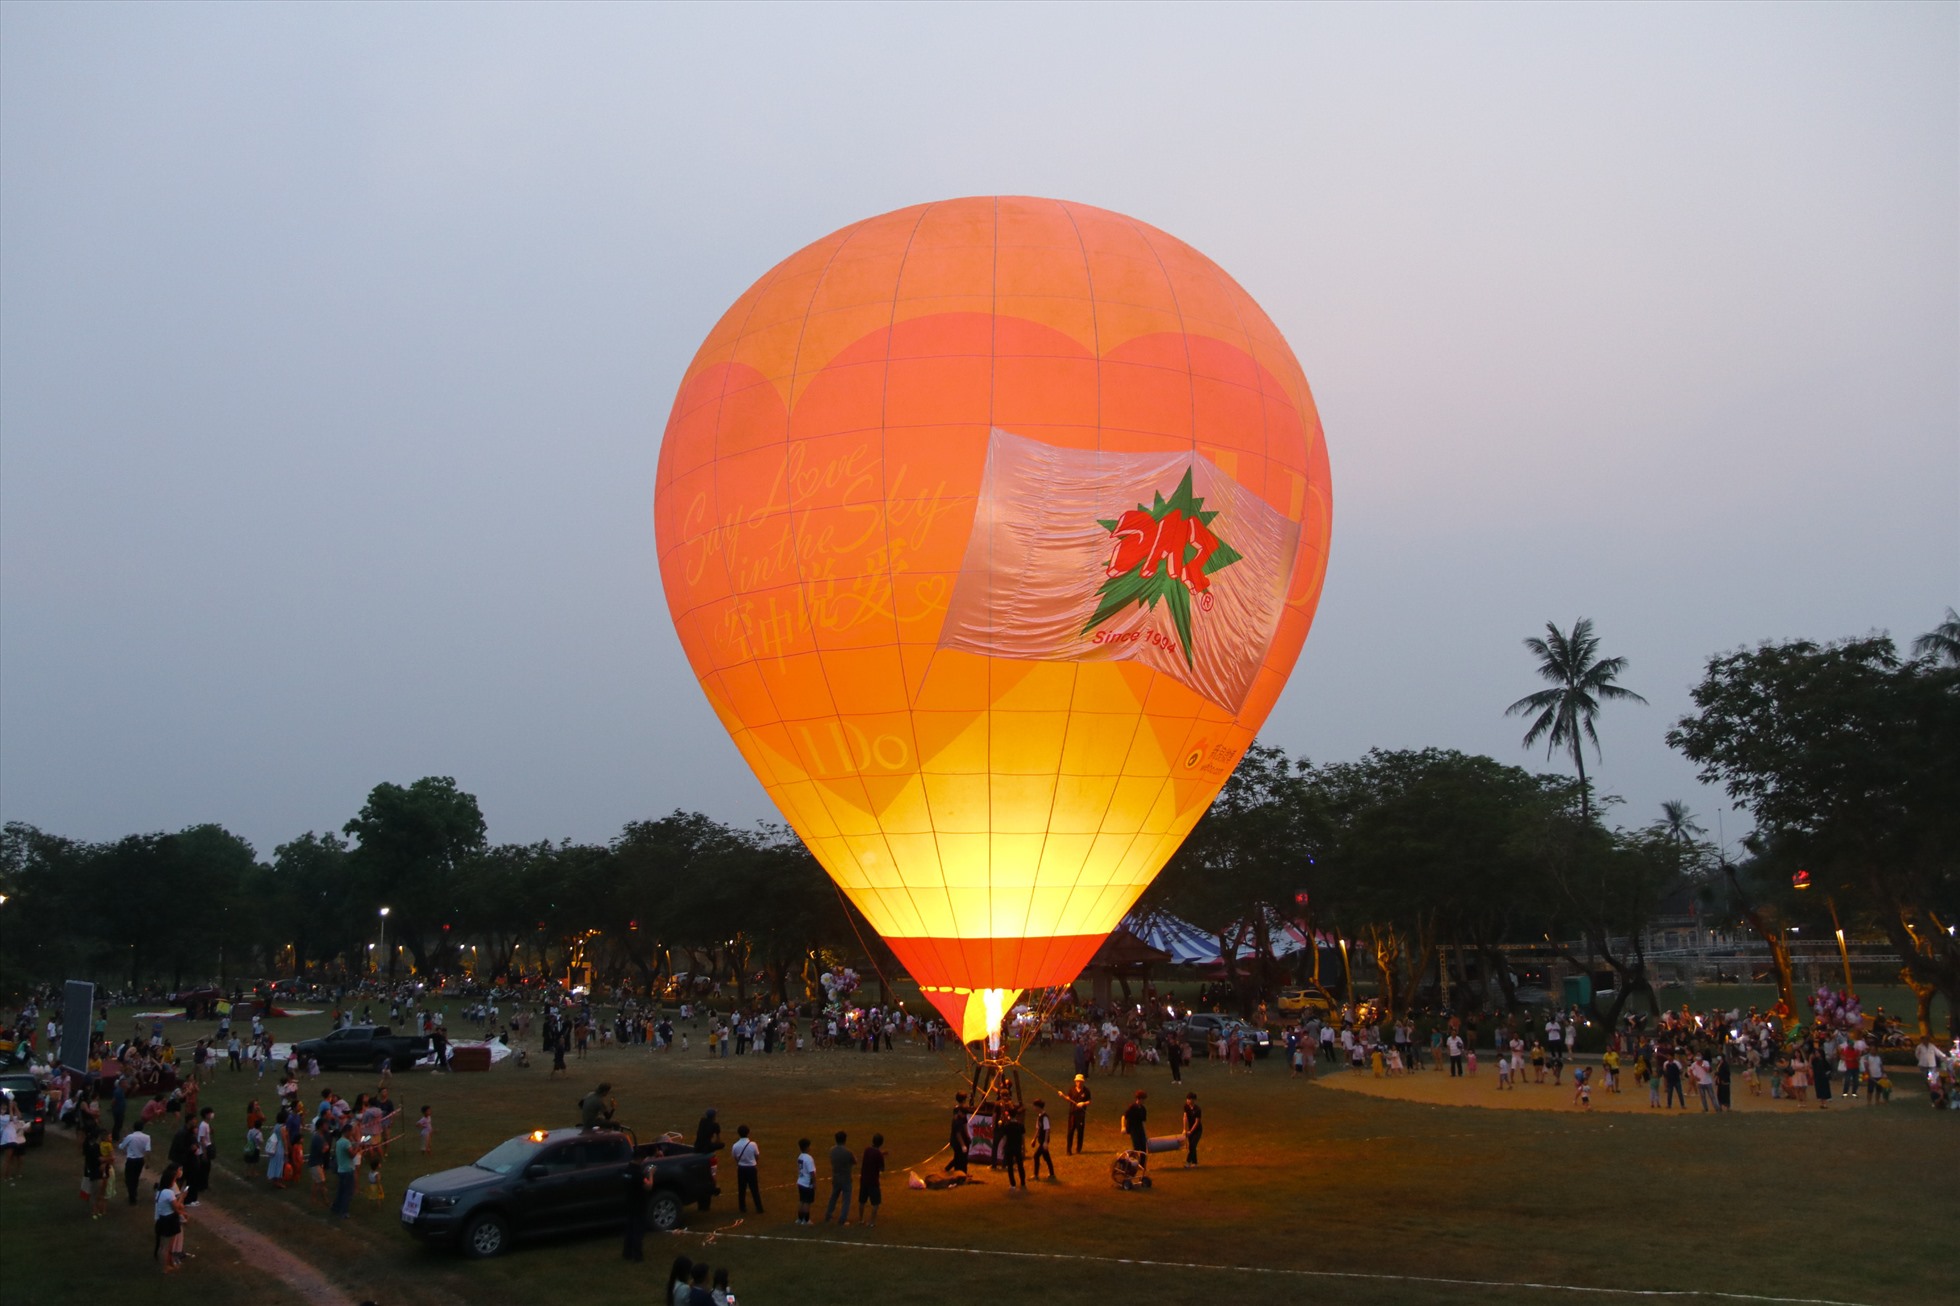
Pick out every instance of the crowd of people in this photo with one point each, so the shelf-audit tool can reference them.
(135, 1111)
(1839, 1055)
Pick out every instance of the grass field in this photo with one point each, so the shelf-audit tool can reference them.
(1304, 1191)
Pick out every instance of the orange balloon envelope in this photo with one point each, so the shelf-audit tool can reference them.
(992, 529)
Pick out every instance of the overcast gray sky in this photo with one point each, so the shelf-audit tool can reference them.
(336, 343)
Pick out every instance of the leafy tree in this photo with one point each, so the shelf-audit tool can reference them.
(1431, 851)
(44, 928)
(1248, 856)
(509, 892)
(1581, 681)
(769, 901)
(657, 864)
(204, 913)
(414, 842)
(1844, 754)
(310, 904)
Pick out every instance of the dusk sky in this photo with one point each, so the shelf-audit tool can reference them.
(336, 343)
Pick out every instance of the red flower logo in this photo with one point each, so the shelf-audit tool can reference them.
(1162, 553)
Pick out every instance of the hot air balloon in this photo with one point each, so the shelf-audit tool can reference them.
(992, 529)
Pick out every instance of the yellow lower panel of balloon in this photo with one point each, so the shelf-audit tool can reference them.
(1040, 817)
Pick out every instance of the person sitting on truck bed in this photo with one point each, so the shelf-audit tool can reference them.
(596, 1107)
(707, 1134)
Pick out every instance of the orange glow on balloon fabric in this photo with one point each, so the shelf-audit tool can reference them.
(992, 529)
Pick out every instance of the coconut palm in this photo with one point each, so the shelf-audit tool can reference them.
(1942, 642)
(1680, 834)
(1678, 825)
(1581, 682)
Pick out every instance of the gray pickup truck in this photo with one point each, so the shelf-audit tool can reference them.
(555, 1181)
(363, 1047)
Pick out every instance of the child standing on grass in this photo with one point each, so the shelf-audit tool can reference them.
(806, 1181)
(1582, 1086)
(170, 1217)
(371, 1147)
(1503, 1074)
(426, 1126)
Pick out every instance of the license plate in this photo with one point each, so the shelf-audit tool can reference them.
(411, 1204)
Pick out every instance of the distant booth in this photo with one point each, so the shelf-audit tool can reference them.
(1123, 956)
(1151, 939)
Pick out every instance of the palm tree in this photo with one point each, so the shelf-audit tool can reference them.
(1677, 824)
(1680, 832)
(1581, 681)
(1942, 642)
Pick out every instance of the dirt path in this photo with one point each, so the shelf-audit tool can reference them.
(263, 1254)
(1439, 1089)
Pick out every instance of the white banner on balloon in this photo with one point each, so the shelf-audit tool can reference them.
(1081, 555)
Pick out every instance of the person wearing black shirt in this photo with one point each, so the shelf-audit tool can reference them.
(1043, 1130)
(639, 1183)
(1012, 1148)
(1134, 1116)
(960, 1139)
(1194, 1128)
(1078, 1117)
(870, 1181)
(707, 1134)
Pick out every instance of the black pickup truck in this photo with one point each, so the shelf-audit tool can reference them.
(555, 1181)
(363, 1046)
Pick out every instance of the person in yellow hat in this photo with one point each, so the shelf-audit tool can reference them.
(1077, 1096)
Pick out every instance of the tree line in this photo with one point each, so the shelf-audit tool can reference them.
(681, 893)
(1431, 865)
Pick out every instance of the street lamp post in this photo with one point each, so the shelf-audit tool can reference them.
(382, 960)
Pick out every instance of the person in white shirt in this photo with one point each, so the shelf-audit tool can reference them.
(806, 1181)
(747, 1158)
(13, 1139)
(135, 1147)
(1704, 1083)
(1455, 1046)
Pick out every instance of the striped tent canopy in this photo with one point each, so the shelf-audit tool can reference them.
(1190, 945)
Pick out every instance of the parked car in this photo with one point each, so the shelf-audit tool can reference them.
(555, 1181)
(198, 1004)
(363, 1046)
(1306, 1001)
(25, 1093)
(1203, 1026)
